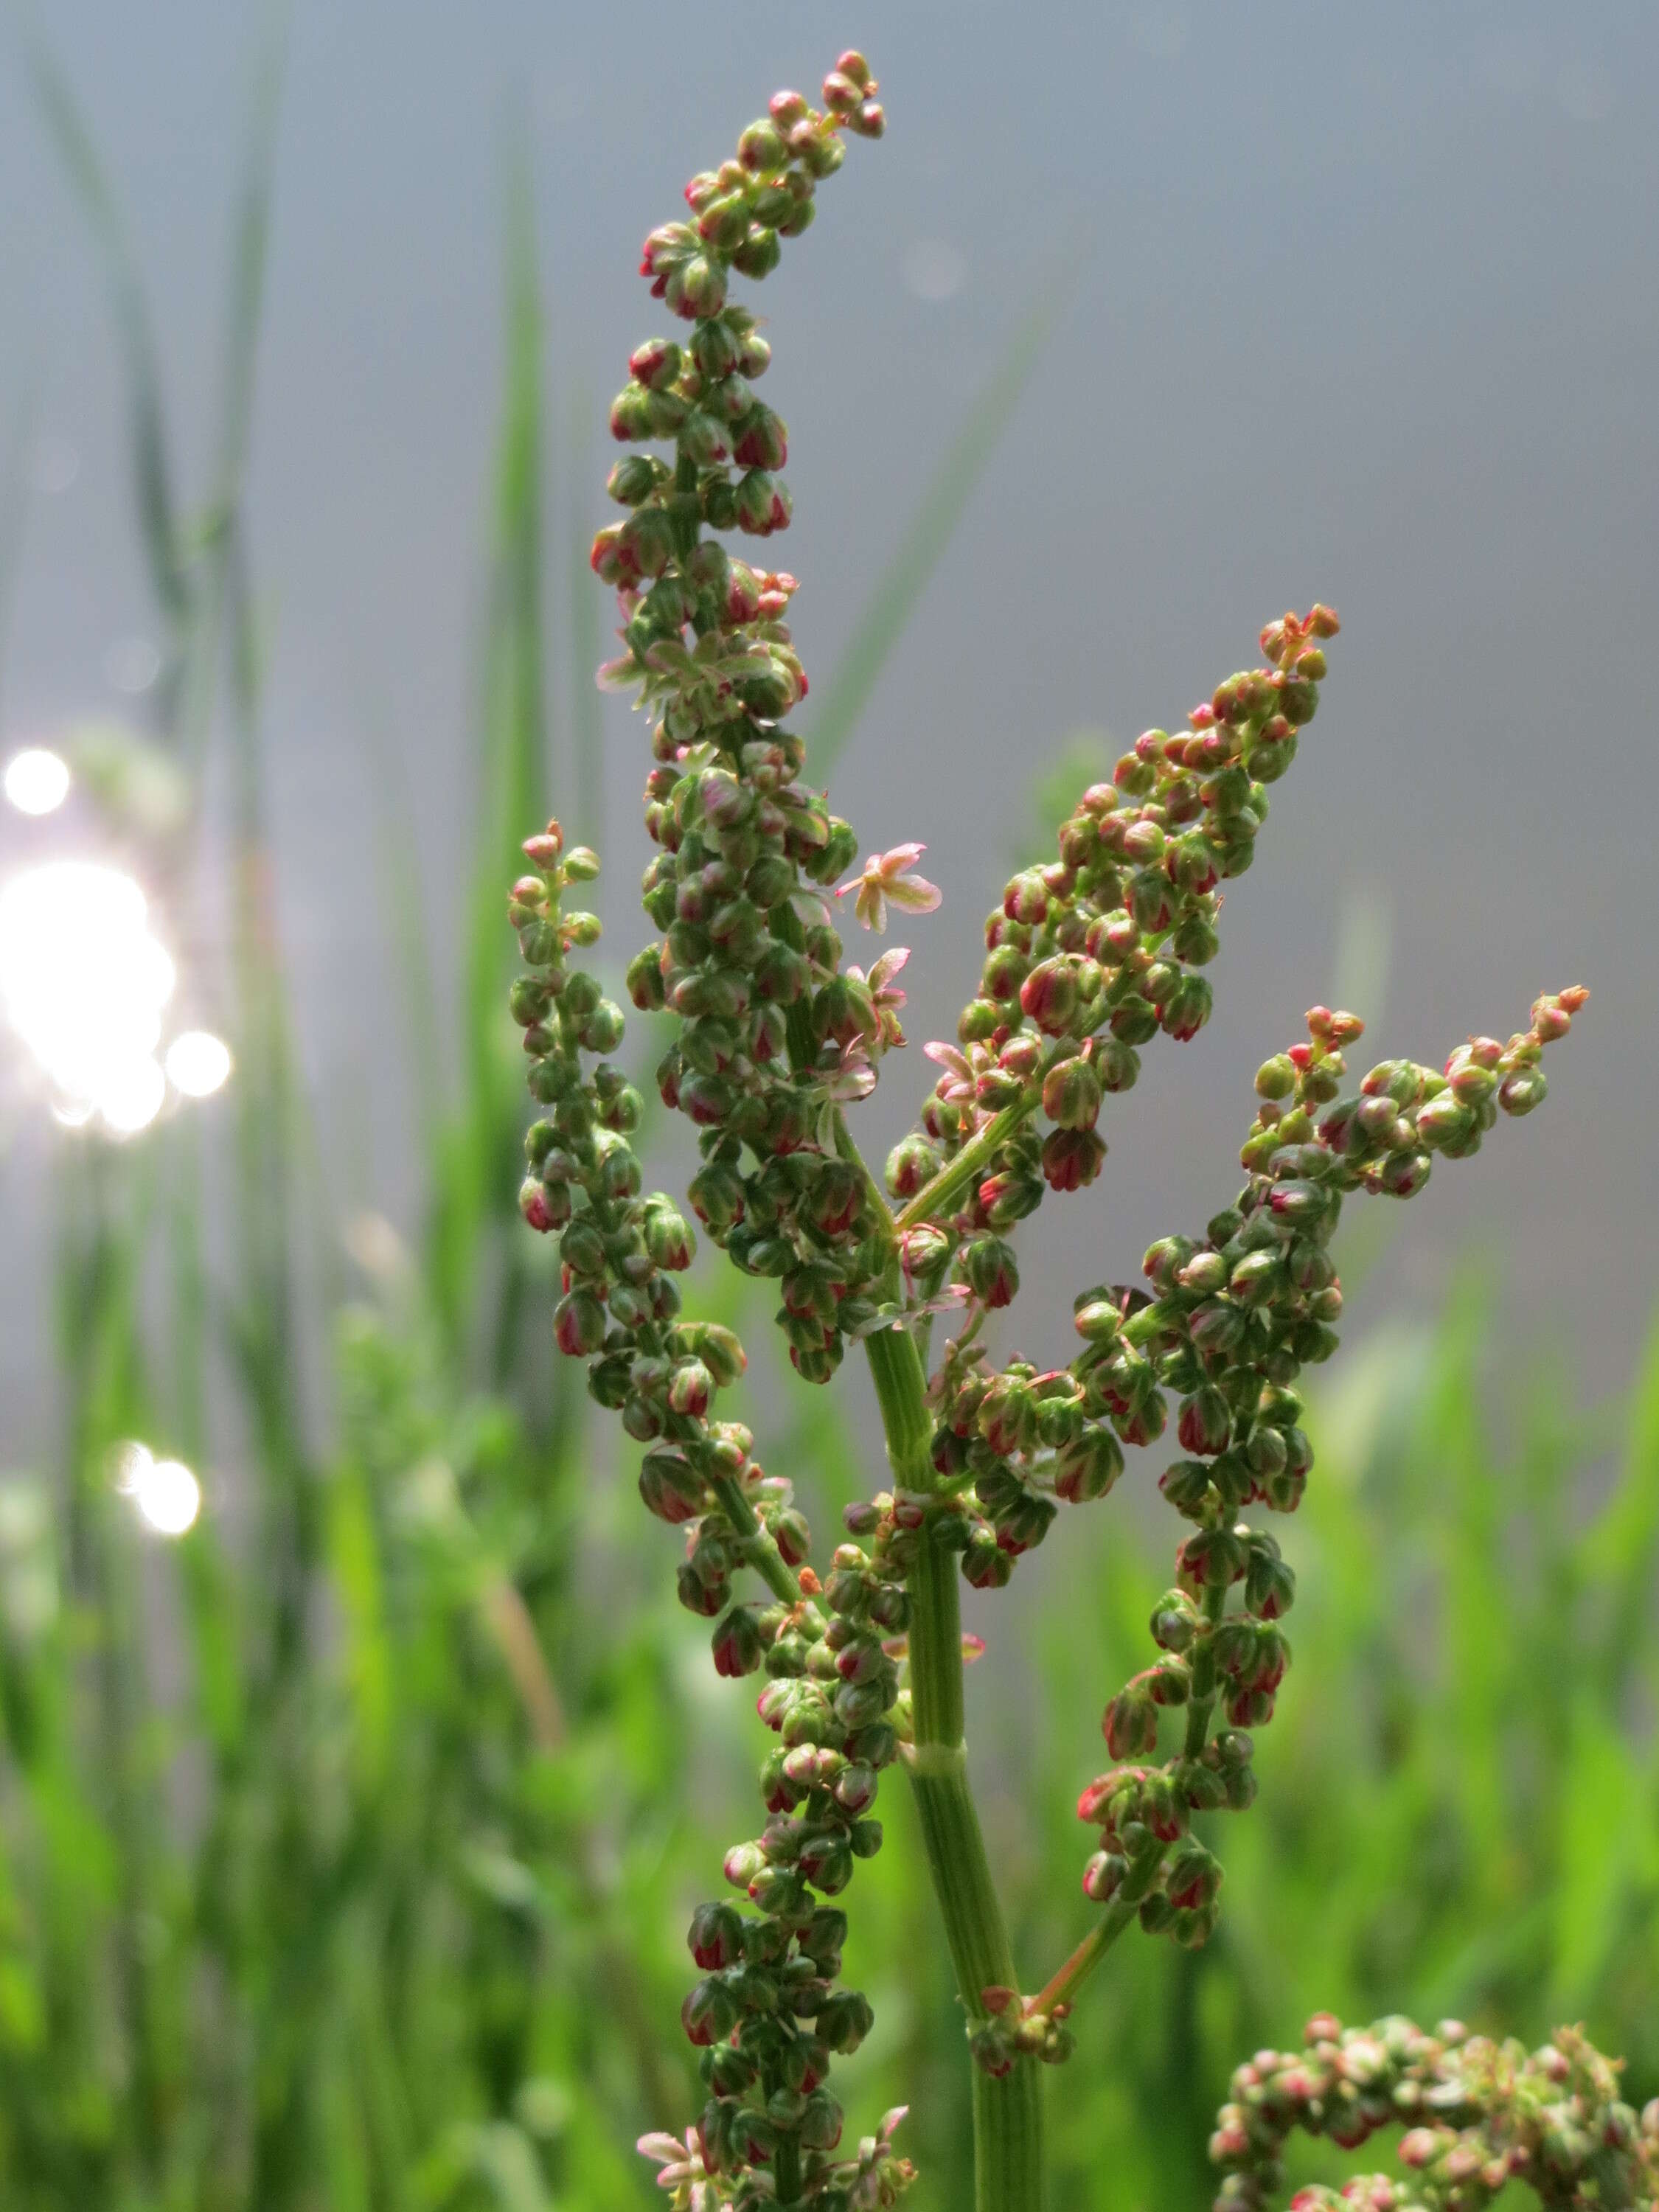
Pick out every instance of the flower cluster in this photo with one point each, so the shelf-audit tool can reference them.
(1478, 2114)
(1233, 1319)
(766, 2011)
(875, 2178)
(1088, 958)
(773, 1037)
(767, 2007)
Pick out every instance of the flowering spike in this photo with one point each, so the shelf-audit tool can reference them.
(1087, 960)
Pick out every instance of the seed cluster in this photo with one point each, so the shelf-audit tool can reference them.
(771, 1039)
(1088, 958)
(1233, 1320)
(773, 1036)
(1478, 2114)
(767, 2011)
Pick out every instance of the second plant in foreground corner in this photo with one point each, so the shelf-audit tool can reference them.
(774, 1036)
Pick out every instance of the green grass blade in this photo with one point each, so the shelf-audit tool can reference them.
(1619, 1553)
(158, 520)
(401, 902)
(477, 1180)
(515, 736)
(248, 258)
(13, 512)
(201, 630)
(900, 586)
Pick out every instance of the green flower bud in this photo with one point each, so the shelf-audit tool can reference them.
(990, 1269)
(763, 503)
(1088, 1467)
(738, 1643)
(1072, 1095)
(697, 290)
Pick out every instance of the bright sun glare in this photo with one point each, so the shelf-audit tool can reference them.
(166, 1493)
(83, 983)
(198, 1063)
(36, 781)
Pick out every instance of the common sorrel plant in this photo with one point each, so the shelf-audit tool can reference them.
(1088, 960)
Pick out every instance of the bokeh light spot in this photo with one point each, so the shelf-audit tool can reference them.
(37, 781)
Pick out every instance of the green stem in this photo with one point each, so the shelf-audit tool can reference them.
(1062, 1987)
(939, 1197)
(758, 1548)
(1008, 2165)
(1201, 1701)
(785, 2178)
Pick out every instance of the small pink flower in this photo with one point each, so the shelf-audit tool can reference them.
(676, 2162)
(885, 994)
(959, 1080)
(854, 1079)
(885, 878)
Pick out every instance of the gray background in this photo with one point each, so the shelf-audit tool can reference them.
(1362, 306)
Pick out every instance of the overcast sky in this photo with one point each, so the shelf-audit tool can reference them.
(1361, 305)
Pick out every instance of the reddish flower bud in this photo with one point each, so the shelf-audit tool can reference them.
(1087, 1467)
(761, 147)
(715, 1938)
(533, 1204)
(911, 1165)
(1072, 1158)
(578, 1324)
(708, 2016)
(1049, 995)
(1072, 1094)
(696, 287)
(1103, 1876)
(690, 1388)
(762, 441)
(1130, 1724)
(656, 364)
(738, 1643)
(991, 1271)
(763, 504)
(1205, 1424)
(672, 1488)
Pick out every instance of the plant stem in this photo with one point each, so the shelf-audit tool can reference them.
(759, 1549)
(939, 1197)
(1008, 2167)
(1062, 1987)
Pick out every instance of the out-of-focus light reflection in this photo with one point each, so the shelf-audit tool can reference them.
(198, 1063)
(934, 271)
(83, 982)
(132, 664)
(133, 1094)
(36, 781)
(166, 1495)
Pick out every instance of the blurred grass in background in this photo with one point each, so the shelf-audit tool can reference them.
(347, 1842)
